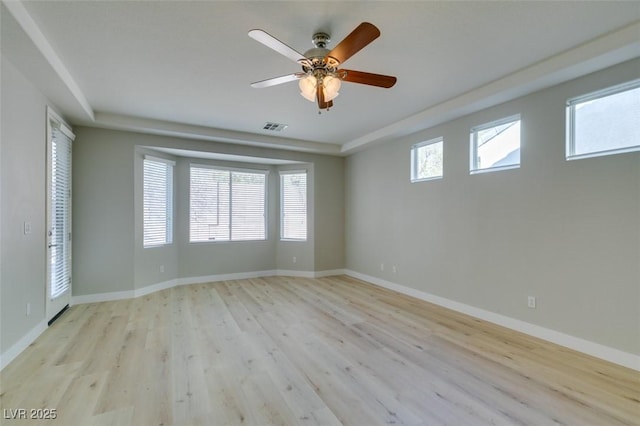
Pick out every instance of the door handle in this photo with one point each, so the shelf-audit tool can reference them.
(53, 245)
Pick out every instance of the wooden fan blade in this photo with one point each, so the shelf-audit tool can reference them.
(277, 80)
(360, 77)
(275, 44)
(321, 102)
(364, 34)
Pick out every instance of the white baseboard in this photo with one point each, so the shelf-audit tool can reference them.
(224, 277)
(102, 297)
(21, 344)
(292, 273)
(154, 287)
(329, 273)
(597, 350)
(129, 294)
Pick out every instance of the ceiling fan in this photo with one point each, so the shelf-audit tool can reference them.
(321, 77)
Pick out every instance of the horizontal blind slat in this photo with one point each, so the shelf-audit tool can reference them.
(60, 214)
(158, 202)
(294, 206)
(226, 205)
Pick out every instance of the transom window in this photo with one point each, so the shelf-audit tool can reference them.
(604, 122)
(226, 204)
(496, 145)
(427, 160)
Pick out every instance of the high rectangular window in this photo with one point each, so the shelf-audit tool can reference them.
(427, 160)
(227, 205)
(604, 122)
(496, 145)
(293, 205)
(158, 201)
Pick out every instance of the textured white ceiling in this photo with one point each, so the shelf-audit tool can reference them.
(190, 63)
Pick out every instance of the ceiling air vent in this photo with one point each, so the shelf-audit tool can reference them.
(274, 127)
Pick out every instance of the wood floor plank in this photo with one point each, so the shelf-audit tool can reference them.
(296, 392)
(189, 390)
(70, 407)
(300, 351)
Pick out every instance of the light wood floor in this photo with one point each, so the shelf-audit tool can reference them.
(301, 351)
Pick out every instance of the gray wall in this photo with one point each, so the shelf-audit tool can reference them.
(108, 251)
(103, 213)
(23, 153)
(567, 232)
(329, 221)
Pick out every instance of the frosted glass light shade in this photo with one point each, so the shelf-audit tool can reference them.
(308, 86)
(331, 86)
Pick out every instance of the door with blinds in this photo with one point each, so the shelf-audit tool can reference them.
(58, 241)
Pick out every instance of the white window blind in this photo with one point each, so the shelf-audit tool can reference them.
(227, 205)
(293, 207)
(158, 201)
(60, 233)
(248, 206)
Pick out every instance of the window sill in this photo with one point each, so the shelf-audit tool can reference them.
(494, 169)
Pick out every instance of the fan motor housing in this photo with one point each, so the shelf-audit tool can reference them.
(318, 54)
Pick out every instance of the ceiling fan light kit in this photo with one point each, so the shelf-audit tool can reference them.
(321, 79)
(330, 85)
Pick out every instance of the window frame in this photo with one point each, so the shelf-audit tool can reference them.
(231, 170)
(168, 202)
(414, 160)
(473, 145)
(570, 142)
(283, 173)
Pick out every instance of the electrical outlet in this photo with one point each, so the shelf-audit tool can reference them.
(27, 309)
(382, 266)
(27, 228)
(295, 259)
(162, 268)
(394, 269)
(531, 302)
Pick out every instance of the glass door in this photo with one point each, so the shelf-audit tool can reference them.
(58, 291)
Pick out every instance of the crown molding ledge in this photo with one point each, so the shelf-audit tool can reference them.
(20, 14)
(188, 131)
